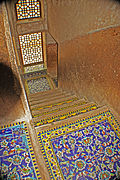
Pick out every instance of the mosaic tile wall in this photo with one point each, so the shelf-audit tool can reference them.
(28, 9)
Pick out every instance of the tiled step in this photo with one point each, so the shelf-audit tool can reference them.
(39, 103)
(53, 103)
(56, 104)
(48, 96)
(59, 107)
(73, 119)
(64, 114)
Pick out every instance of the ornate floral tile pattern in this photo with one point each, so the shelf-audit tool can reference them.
(17, 158)
(85, 149)
(38, 84)
(65, 116)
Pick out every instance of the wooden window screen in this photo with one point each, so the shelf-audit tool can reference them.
(31, 48)
(28, 9)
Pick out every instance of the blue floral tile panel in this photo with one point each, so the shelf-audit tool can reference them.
(17, 160)
(86, 149)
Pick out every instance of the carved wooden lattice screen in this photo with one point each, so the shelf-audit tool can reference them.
(31, 48)
(28, 9)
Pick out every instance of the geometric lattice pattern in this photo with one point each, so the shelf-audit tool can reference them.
(28, 9)
(31, 48)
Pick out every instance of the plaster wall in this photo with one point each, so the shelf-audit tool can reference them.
(88, 36)
(52, 59)
(4, 57)
(11, 93)
(68, 19)
(90, 66)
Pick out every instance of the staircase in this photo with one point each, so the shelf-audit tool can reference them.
(57, 105)
(58, 108)
(67, 138)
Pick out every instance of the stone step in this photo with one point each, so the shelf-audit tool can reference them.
(48, 96)
(39, 103)
(73, 103)
(44, 93)
(64, 114)
(52, 103)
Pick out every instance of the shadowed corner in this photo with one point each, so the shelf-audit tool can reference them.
(10, 90)
(118, 1)
(3, 176)
(4, 1)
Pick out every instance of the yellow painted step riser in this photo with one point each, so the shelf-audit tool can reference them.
(56, 109)
(66, 111)
(50, 103)
(55, 105)
(61, 117)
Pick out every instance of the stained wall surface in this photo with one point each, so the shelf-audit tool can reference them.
(3, 48)
(88, 35)
(90, 66)
(10, 89)
(52, 59)
(67, 19)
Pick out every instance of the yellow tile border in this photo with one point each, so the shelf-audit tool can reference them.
(63, 116)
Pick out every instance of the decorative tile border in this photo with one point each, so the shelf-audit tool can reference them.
(54, 145)
(17, 157)
(65, 115)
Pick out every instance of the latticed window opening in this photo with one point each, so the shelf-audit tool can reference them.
(31, 48)
(28, 9)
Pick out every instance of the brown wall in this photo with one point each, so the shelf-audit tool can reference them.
(88, 36)
(10, 89)
(70, 18)
(4, 57)
(90, 66)
(52, 59)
